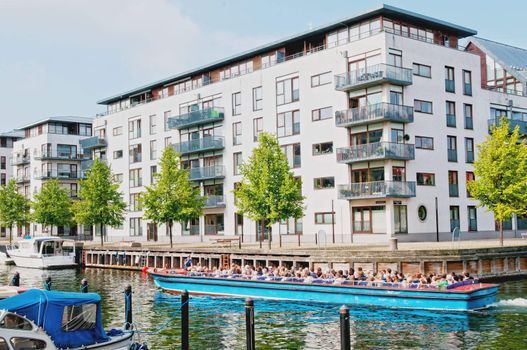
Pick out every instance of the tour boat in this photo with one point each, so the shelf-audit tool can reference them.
(44, 253)
(50, 320)
(461, 296)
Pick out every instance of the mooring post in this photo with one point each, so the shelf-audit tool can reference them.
(184, 320)
(128, 307)
(249, 324)
(344, 328)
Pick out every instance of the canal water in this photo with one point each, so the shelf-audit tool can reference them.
(219, 323)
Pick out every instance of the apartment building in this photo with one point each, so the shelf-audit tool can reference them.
(50, 149)
(379, 116)
(6, 170)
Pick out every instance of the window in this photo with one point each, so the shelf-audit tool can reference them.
(322, 113)
(322, 148)
(292, 153)
(3, 179)
(450, 85)
(422, 213)
(469, 150)
(452, 148)
(153, 150)
(166, 115)
(79, 317)
(12, 321)
(118, 154)
(153, 172)
(136, 178)
(257, 128)
(288, 123)
(135, 203)
(467, 83)
(168, 141)
(423, 106)
(2, 162)
(395, 58)
(469, 177)
(472, 218)
(118, 178)
(237, 103)
(321, 79)
(323, 183)
(237, 157)
(400, 213)
(396, 97)
(469, 121)
(135, 153)
(237, 133)
(422, 70)
(287, 91)
(423, 142)
(257, 98)
(426, 179)
(134, 129)
(453, 189)
(136, 229)
(117, 131)
(450, 114)
(20, 343)
(324, 218)
(152, 122)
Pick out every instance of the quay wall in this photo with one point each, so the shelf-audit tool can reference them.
(487, 263)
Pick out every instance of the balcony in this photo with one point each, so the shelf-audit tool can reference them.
(19, 160)
(204, 116)
(56, 155)
(208, 143)
(22, 179)
(374, 113)
(93, 142)
(373, 75)
(60, 175)
(376, 151)
(214, 201)
(377, 189)
(206, 173)
(513, 123)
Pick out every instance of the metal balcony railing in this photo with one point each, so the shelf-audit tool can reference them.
(19, 160)
(373, 75)
(453, 190)
(22, 178)
(57, 155)
(204, 116)
(374, 113)
(452, 155)
(376, 151)
(93, 142)
(54, 174)
(377, 189)
(204, 173)
(214, 201)
(208, 143)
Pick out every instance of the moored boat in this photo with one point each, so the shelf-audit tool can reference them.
(44, 253)
(461, 296)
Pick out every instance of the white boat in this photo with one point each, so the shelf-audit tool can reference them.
(4, 257)
(44, 253)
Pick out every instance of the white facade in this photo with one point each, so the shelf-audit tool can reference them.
(386, 200)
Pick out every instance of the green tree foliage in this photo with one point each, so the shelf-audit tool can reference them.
(172, 197)
(52, 206)
(501, 174)
(268, 191)
(14, 208)
(100, 201)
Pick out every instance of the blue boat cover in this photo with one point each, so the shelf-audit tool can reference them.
(46, 309)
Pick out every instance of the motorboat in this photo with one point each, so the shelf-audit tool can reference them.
(44, 253)
(51, 320)
(460, 296)
(4, 257)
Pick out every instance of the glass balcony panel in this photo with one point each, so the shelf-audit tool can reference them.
(374, 113)
(513, 123)
(203, 173)
(453, 190)
(214, 201)
(451, 120)
(208, 143)
(450, 85)
(93, 142)
(372, 75)
(204, 116)
(377, 150)
(452, 155)
(377, 189)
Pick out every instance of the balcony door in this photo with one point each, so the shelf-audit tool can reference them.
(367, 175)
(151, 232)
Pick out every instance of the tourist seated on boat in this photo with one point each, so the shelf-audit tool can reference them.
(466, 276)
(359, 275)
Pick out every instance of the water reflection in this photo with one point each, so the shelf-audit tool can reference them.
(219, 323)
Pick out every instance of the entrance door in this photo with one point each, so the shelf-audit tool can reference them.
(151, 232)
(267, 229)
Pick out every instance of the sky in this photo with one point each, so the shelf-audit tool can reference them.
(59, 57)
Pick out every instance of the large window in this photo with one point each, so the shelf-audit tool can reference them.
(292, 152)
(257, 128)
(322, 148)
(153, 150)
(237, 161)
(469, 150)
(136, 229)
(400, 213)
(321, 79)
(257, 98)
(288, 123)
(118, 130)
(469, 121)
(472, 218)
(452, 148)
(426, 179)
(152, 122)
(450, 107)
(135, 203)
(469, 177)
(322, 113)
(423, 106)
(237, 103)
(450, 84)
(287, 91)
(136, 178)
(422, 70)
(237, 133)
(453, 188)
(323, 218)
(467, 83)
(134, 129)
(322, 183)
(454, 217)
(135, 153)
(423, 142)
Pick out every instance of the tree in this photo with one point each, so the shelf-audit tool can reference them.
(501, 174)
(172, 197)
(100, 201)
(268, 190)
(52, 206)
(14, 208)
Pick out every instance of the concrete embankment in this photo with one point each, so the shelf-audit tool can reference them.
(485, 259)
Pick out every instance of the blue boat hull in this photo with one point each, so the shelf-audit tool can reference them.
(476, 298)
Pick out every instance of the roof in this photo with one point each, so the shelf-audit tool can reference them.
(385, 10)
(67, 119)
(46, 309)
(12, 133)
(513, 59)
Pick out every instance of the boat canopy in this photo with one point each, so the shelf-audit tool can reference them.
(70, 319)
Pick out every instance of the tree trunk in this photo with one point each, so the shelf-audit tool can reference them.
(102, 235)
(10, 234)
(270, 238)
(170, 233)
(262, 233)
(501, 233)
